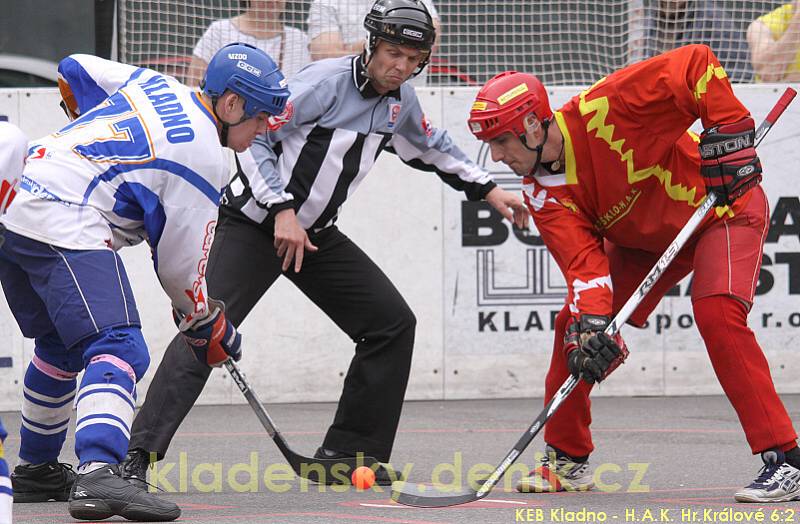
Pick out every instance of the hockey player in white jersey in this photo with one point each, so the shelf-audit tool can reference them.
(143, 161)
(13, 144)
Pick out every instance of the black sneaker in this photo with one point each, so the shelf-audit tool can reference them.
(42, 482)
(104, 493)
(134, 467)
(384, 475)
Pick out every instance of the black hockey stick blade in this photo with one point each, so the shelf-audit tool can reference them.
(322, 471)
(327, 471)
(422, 496)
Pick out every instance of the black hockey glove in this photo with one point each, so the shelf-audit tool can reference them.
(729, 163)
(591, 354)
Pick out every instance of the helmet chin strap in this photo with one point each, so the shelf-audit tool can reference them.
(537, 149)
(223, 133)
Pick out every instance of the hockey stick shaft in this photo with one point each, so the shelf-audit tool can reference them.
(633, 302)
(324, 471)
(262, 415)
(780, 106)
(251, 397)
(420, 499)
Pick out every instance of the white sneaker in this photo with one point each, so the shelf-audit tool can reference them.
(778, 481)
(557, 473)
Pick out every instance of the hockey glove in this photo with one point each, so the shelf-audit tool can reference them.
(214, 339)
(591, 354)
(729, 163)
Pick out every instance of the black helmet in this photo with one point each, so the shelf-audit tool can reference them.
(401, 22)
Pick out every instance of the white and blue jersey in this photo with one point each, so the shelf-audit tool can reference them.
(142, 162)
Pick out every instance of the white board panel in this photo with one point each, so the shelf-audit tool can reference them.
(484, 310)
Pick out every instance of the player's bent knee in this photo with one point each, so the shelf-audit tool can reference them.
(123, 347)
(707, 311)
(49, 348)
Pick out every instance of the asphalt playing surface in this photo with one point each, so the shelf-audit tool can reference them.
(683, 455)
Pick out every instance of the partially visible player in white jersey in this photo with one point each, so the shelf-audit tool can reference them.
(13, 144)
(142, 160)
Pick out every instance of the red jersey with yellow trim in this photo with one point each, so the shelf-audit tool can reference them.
(632, 168)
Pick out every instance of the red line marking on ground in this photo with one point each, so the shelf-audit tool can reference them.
(650, 491)
(619, 492)
(718, 488)
(737, 506)
(480, 504)
(460, 431)
(667, 430)
(38, 515)
(340, 516)
(204, 507)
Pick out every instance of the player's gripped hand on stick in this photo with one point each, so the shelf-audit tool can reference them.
(291, 240)
(213, 339)
(729, 163)
(510, 206)
(591, 354)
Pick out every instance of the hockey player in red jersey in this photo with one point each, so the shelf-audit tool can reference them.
(610, 179)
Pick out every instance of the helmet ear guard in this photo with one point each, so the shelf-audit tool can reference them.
(400, 22)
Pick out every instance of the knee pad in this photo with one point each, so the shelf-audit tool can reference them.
(122, 347)
(49, 349)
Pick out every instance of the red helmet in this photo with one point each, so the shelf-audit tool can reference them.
(504, 101)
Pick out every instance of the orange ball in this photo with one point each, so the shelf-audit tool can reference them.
(363, 478)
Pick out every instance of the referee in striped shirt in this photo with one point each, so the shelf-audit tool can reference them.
(284, 201)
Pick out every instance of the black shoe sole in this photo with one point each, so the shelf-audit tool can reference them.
(98, 509)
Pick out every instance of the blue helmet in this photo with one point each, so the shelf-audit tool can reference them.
(250, 73)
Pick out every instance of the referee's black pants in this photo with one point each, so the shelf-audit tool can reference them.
(347, 286)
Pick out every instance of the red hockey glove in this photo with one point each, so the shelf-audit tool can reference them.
(214, 339)
(591, 354)
(729, 163)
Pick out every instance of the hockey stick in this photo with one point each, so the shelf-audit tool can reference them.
(417, 495)
(321, 471)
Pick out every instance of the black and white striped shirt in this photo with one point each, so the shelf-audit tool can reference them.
(337, 126)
